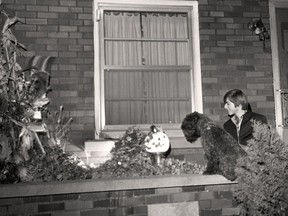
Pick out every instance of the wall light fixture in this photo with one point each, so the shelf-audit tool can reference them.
(259, 29)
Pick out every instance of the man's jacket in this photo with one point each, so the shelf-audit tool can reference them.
(246, 127)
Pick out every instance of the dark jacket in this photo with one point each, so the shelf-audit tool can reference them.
(246, 127)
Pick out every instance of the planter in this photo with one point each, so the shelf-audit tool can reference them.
(132, 196)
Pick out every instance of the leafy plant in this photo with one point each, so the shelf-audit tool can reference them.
(54, 166)
(263, 175)
(129, 158)
(31, 137)
(23, 94)
(58, 128)
(8, 172)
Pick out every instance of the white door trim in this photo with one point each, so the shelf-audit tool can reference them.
(273, 4)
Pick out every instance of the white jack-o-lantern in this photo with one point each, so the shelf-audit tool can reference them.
(157, 141)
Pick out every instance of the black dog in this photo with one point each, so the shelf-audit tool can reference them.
(221, 149)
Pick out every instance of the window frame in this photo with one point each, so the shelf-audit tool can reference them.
(99, 100)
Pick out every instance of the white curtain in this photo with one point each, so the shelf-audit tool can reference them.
(144, 96)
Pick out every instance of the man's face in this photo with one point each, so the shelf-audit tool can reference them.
(231, 108)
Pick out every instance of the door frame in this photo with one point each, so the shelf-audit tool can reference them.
(273, 4)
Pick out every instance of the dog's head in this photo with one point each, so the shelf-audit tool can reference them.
(190, 126)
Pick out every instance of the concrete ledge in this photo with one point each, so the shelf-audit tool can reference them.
(100, 185)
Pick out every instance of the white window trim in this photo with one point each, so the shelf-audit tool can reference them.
(196, 92)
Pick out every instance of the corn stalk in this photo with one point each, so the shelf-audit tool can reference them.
(21, 96)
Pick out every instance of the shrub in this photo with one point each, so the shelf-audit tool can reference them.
(129, 158)
(263, 175)
(55, 165)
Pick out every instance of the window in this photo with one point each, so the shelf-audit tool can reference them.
(147, 62)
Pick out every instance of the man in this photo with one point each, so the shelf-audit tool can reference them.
(240, 124)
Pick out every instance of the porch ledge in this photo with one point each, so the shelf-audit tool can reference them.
(100, 185)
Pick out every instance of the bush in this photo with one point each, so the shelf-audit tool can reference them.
(129, 158)
(263, 175)
(55, 165)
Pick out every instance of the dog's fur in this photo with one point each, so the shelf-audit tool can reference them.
(221, 149)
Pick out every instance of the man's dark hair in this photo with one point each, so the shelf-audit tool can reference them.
(237, 97)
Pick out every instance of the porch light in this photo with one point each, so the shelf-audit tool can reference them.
(259, 29)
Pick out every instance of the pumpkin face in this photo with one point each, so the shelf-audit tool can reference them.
(157, 142)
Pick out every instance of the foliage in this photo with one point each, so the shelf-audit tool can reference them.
(55, 165)
(8, 172)
(129, 158)
(31, 138)
(58, 129)
(23, 94)
(263, 175)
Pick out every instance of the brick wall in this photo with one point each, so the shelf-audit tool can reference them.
(231, 56)
(210, 200)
